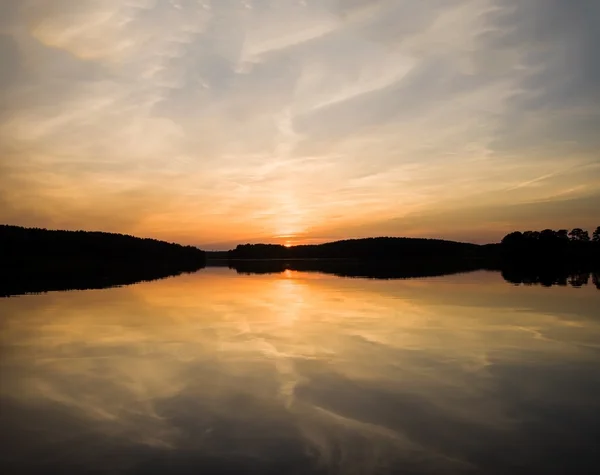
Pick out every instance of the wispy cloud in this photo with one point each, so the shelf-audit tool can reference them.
(260, 118)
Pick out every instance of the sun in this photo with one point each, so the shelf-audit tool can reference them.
(286, 240)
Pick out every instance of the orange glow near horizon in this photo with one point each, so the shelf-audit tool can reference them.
(156, 120)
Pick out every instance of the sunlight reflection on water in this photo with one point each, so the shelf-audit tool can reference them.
(302, 373)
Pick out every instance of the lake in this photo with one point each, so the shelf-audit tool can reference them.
(302, 372)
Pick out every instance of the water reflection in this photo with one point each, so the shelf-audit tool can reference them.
(296, 372)
(550, 277)
(546, 276)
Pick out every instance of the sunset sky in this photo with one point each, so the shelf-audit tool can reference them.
(225, 121)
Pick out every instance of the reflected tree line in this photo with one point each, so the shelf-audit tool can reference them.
(548, 278)
(551, 257)
(544, 257)
(391, 270)
(38, 260)
(373, 269)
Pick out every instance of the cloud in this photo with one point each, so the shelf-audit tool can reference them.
(209, 360)
(264, 118)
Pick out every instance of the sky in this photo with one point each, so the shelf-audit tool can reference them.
(214, 122)
(274, 365)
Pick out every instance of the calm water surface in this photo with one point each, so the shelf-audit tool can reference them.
(301, 373)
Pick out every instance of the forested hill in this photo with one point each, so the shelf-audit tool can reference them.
(35, 260)
(21, 242)
(389, 248)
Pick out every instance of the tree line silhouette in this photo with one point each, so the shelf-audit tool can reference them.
(548, 246)
(551, 257)
(544, 257)
(562, 243)
(37, 259)
(550, 237)
(378, 248)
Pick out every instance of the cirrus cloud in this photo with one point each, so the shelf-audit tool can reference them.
(204, 121)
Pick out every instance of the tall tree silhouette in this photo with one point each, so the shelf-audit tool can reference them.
(596, 235)
(579, 234)
(562, 234)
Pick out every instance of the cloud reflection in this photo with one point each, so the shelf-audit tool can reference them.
(352, 376)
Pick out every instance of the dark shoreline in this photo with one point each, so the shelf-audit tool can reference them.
(512, 273)
(34, 279)
(39, 260)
